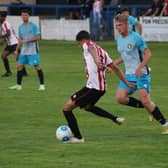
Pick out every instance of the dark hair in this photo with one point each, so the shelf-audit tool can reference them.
(123, 10)
(25, 11)
(3, 14)
(82, 35)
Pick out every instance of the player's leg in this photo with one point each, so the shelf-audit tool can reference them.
(40, 77)
(13, 49)
(24, 71)
(19, 77)
(78, 99)
(21, 63)
(91, 99)
(152, 108)
(122, 96)
(5, 54)
(102, 113)
(71, 119)
(34, 60)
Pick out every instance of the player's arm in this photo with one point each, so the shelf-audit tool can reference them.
(139, 27)
(120, 74)
(147, 56)
(5, 33)
(118, 61)
(18, 49)
(36, 38)
(95, 56)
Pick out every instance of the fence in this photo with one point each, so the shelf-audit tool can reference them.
(58, 11)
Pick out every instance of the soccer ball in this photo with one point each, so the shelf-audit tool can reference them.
(63, 133)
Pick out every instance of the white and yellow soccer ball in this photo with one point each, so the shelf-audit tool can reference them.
(63, 133)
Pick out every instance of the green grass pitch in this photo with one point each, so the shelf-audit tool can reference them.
(29, 118)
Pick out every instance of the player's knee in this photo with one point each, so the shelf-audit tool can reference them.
(145, 100)
(146, 103)
(65, 107)
(37, 67)
(20, 67)
(68, 107)
(121, 99)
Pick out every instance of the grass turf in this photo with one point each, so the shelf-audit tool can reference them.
(29, 118)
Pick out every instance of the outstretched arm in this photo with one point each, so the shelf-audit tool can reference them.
(118, 61)
(120, 74)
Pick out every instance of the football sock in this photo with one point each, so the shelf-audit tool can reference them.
(24, 71)
(41, 76)
(19, 77)
(158, 115)
(72, 122)
(135, 103)
(6, 65)
(102, 113)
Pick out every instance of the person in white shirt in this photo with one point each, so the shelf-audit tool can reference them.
(96, 61)
(8, 35)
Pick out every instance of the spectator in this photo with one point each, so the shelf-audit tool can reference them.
(155, 9)
(16, 10)
(164, 11)
(87, 6)
(73, 12)
(114, 2)
(17, 2)
(97, 18)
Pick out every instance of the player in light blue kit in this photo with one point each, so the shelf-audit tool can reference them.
(133, 23)
(135, 55)
(29, 35)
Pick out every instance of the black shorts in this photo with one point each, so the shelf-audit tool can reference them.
(10, 48)
(87, 96)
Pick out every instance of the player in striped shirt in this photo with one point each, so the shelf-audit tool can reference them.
(8, 35)
(96, 62)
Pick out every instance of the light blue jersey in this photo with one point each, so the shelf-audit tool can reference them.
(132, 21)
(130, 49)
(27, 32)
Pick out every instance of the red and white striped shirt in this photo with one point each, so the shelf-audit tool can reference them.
(12, 38)
(95, 77)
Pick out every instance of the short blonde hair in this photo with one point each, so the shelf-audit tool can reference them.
(121, 18)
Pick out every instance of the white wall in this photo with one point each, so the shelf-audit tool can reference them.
(16, 21)
(62, 29)
(53, 29)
